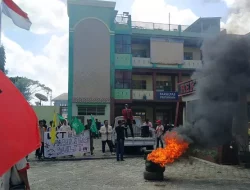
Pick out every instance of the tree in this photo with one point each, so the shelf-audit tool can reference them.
(2, 59)
(29, 87)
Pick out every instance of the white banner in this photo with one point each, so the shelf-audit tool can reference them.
(66, 144)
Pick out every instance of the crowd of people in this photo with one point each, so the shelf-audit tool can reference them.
(105, 132)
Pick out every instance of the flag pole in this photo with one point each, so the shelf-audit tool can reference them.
(1, 14)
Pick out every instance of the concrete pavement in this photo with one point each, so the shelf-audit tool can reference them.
(112, 175)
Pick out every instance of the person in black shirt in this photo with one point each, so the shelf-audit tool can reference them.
(120, 132)
(87, 127)
(44, 124)
(98, 126)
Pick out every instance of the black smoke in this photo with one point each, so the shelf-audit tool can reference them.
(226, 74)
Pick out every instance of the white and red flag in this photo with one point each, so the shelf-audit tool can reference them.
(16, 14)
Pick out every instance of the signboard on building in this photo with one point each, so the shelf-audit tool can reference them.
(167, 95)
(186, 88)
(66, 144)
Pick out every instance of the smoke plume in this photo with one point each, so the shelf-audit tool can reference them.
(238, 18)
(221, 82)
(238, 15)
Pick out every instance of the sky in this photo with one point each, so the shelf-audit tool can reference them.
(42, 53)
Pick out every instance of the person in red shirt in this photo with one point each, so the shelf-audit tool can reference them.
(128, 117)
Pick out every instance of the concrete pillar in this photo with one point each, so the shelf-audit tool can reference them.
(184, 116)
(154, 84)
(240, 122)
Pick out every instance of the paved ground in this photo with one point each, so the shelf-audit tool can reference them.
(111, 175)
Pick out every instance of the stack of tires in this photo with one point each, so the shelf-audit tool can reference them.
(146, 152)
(153, 171)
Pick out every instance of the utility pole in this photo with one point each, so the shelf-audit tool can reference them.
(169, 20)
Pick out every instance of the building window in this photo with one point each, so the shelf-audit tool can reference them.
(123, 44)
(188, 55)
(139, 84)
(91, 110)
(64, 111)
(139, 53)
(141, 113)
(122, 79)
(163, 86)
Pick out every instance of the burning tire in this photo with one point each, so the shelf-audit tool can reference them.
(152, 167)
(146, 152)
(156, 176)
(150, 148)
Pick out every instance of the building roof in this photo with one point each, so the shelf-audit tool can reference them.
(61, 97)
(247, 35)
(196, 26)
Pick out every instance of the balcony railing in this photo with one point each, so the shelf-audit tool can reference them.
(142, 95)
(171, 27)
(192, 64)
(141, 62)
(145, 62)
(158, 26)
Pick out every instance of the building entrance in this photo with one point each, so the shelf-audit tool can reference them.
(166, 116)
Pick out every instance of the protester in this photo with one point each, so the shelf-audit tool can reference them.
(44, 124)
(40, 151)
(120, 137)
(148, 123)
(98, 126)
(168, 126)
(59, 125)
(16, 177)
(49, 130)
(88, 127)
(106, 132)
(65, 127)
(159, 133)
(128, 117)
(50, 126)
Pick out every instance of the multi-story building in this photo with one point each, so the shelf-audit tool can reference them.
(115, 61)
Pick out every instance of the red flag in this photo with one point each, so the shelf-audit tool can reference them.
(18, 16)
(19, 134)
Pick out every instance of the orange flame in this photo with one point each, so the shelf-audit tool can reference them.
(175, 147)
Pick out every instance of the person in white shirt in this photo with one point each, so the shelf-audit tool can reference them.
(16, 177)
(65, 127)
(106, 132)
(148, 123)
(159, 133)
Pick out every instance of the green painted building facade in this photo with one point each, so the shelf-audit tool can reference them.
(108, 51)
